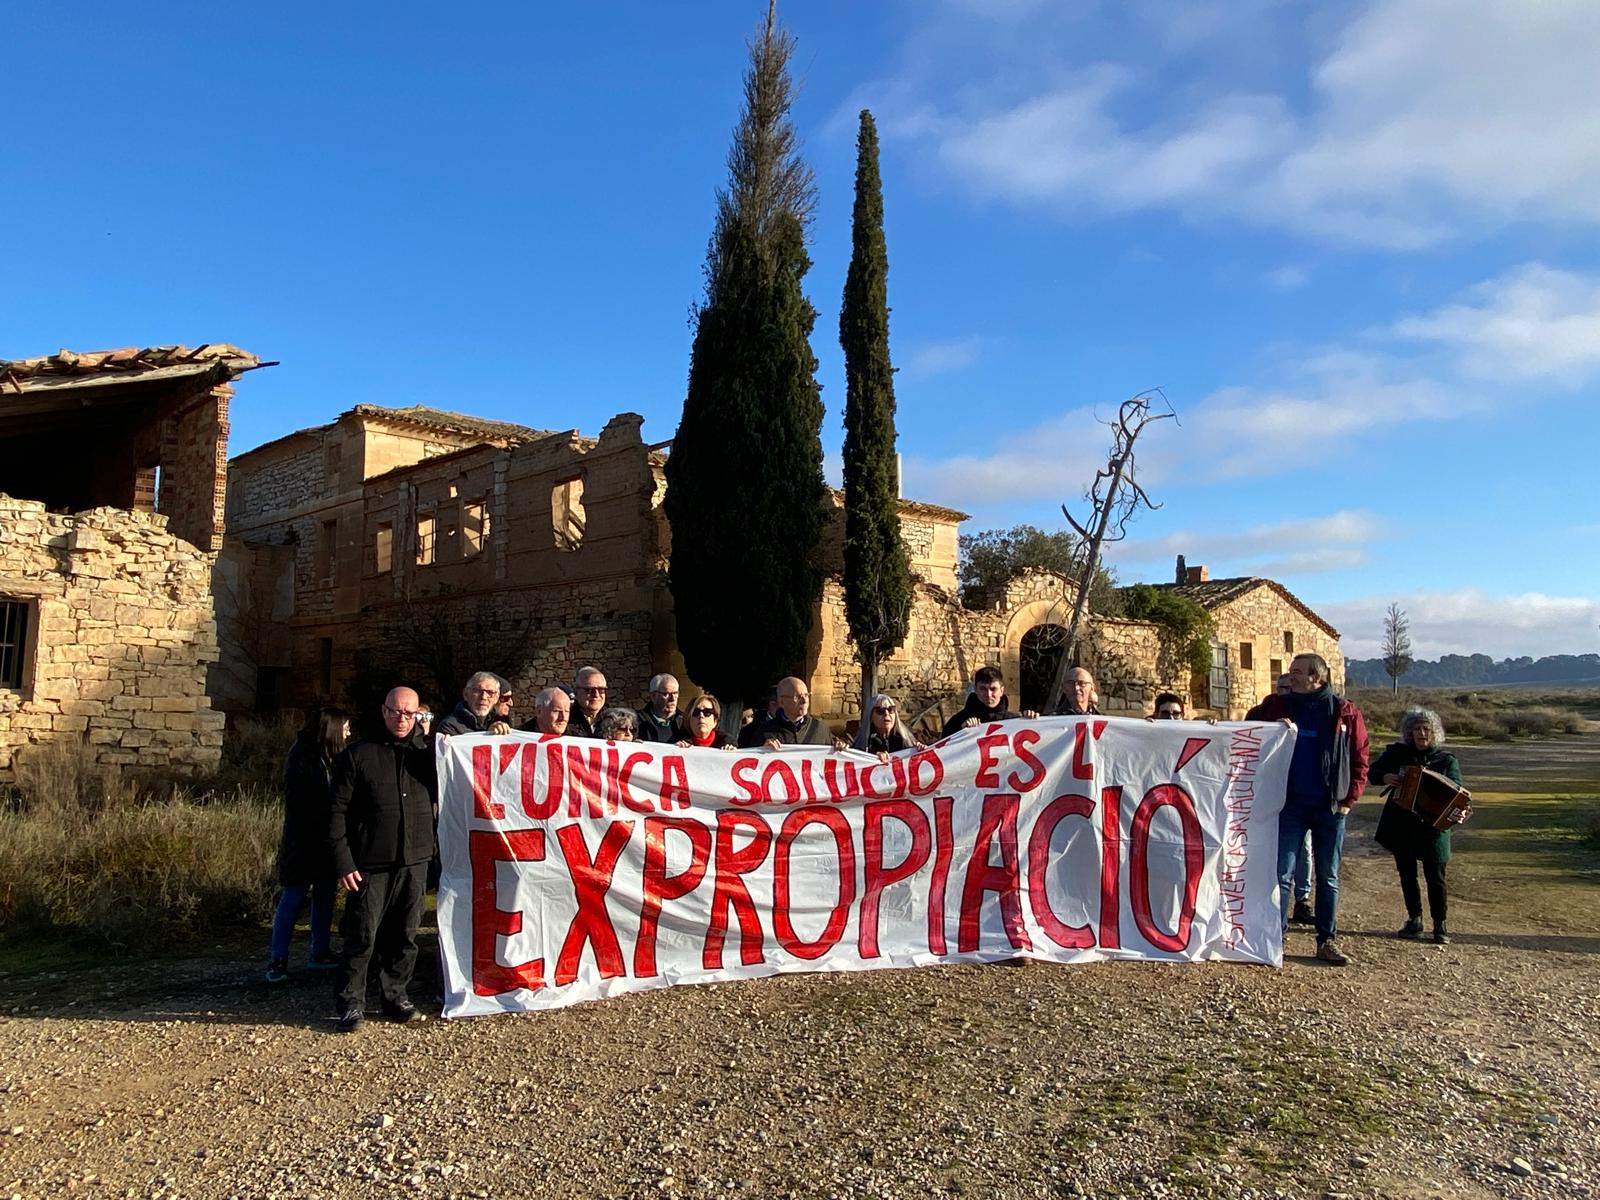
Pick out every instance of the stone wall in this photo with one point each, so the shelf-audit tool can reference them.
(194, 469)
(1275, 631)
(121, 636)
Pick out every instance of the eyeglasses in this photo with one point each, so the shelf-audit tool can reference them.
(401, 713)
(1171, 712)
(885, 708)
(593, 691)
(702, 712)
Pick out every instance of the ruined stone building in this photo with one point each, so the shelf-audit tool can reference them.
(421, 544)
(112, 477)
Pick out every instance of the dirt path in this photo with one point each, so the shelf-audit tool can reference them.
(1466, 1070)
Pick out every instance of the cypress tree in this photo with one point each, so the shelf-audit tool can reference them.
(877, 573)
(745, 494)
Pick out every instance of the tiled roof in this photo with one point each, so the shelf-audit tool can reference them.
(130, 362)
(917, 508)
(1216, 592)
(452, 422)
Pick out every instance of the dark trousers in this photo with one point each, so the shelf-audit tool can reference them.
(380, 923)
(1434, 873)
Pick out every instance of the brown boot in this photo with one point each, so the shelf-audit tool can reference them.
(1330, 953)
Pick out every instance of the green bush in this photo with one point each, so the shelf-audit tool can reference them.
(134, 861)
(1184, 620)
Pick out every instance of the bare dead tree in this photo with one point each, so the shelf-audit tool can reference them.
(1114, 497)
(450, 642)
(1396, 645)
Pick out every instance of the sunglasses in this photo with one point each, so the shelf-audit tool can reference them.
(702, 712)
(884, 708)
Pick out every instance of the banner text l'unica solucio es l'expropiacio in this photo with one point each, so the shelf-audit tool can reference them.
(576, 869)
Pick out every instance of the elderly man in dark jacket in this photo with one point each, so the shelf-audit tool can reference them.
(475, 711)
(382, 836)
(1327, 775)
(792, 724)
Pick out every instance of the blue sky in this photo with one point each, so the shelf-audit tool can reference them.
(1356, 244)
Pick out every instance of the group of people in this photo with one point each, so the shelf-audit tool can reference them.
(360, 814)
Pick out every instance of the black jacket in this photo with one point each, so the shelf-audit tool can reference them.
(578, 724)
(463, 720)
(1404, 833)
(382, 811)
(810, 732)
(303, 856)
(652, 730)
(978, 709)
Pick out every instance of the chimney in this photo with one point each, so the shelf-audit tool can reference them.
(1198, 575)
(1183, 571)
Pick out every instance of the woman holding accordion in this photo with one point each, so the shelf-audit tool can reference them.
(1411, 840)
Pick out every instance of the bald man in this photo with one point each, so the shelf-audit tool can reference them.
(1078, 698)
(792, 724)
(380, 829)
(552, 713)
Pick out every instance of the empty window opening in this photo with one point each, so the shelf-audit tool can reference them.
(383, 547)
(1277, 669)
(474, 527)
(425, 537)
(332, 461)
(327, 549)
(146, 485)
(566, 513)
(13, 643)
(1247, 656)
(1288, 641)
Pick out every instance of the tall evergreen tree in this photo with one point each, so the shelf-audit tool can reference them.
(745, 494)
(877, 572)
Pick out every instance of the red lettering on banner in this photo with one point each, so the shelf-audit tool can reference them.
(876, 876)
(483, 785)
(583, 780)
(591, 924)
(1019, 747)
(846, 863)
(943, 843)
(741, 768)
(1082, 768)
(608, 782)
(1110, 868)
(541, 809)
(987, 777)
(805, 781)
(925, 758)
(866, 782)
(777, 768)
(490, 922)
(998, 823)
(1069, 937)
(624, 774)
(831, 769)
(657, 885)
(730, 892)
(674, 782)
(1173, 796)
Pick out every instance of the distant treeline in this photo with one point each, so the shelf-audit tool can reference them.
(1467, 670)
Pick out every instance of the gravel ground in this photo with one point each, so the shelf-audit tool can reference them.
(1466, 1070)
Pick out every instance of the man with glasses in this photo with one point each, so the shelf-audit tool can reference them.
(1079, 698)
(476, 712)
(1169, 707)
(589, 694)
(656, 722)
(793, 726)
(381, 830)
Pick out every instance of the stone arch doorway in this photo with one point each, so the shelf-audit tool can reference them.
(1038, 660)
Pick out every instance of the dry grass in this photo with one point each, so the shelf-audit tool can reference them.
(138, 861)
(1496, 715)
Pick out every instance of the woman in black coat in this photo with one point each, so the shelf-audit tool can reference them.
(304, 864)
(1408, 837)
(884, 731)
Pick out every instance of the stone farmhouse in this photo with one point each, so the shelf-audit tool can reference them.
(148, 586)
(112, 476)
(419, 543)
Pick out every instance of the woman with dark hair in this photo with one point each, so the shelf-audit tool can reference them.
(885, 731)
(1405, 835)
(697, 724)
(305, 863)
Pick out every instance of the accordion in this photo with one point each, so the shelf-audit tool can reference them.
(1435, 800)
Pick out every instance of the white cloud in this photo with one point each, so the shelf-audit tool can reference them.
(1531, 322)
(1300, 546)
(1419, 118)
(939, 358)
(1470, 621)
(1288, 278)
(1050, 461)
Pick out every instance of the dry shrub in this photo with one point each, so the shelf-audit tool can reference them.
(1496, 717)
(89, 849)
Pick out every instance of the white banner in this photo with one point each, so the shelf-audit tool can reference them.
(576, 869)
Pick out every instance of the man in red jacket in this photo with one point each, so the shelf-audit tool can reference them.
(1326, 776)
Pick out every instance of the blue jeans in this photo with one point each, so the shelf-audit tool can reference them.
(1298, 818)
(290, 901)
(1302, 871)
